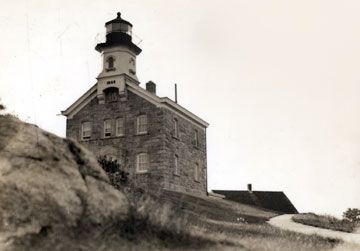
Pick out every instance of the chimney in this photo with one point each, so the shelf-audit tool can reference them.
(249, 187)
(151, 87)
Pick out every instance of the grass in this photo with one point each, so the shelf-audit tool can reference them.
(184, 222)
(325, 221)
(166, 221)
(207, 223)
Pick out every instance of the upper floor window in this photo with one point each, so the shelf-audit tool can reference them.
(111, 94)
(176, 165)
(107, 128)
(110, 63)
(176, 128)
(141, 124)
(196, 138)
(86, 130)
(120, 127)
(196, 172)
(142, 162)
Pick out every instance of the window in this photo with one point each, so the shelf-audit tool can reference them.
(196, 138)
(110, 63)
(120, 129)
(86, 130)
(176, 165)
(107, 128)
(196, 172)
(142, 162)
(176, 128)
(141, 124)
(111, 94)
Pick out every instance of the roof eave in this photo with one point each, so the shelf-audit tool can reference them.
(80, 100)
(183, 110)
(171, 104)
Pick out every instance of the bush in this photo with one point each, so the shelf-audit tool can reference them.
(352, 215)
(117, 176)
(324, 221)
(2, 107)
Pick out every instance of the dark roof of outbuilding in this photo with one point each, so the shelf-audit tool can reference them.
(275, 201)
(118, 19)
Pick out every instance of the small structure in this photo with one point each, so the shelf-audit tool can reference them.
(274, 201)
(161, 144)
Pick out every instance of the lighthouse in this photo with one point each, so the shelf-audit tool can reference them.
(158, 142)
(119, 58)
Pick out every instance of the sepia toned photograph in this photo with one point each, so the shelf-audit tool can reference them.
(180, 125)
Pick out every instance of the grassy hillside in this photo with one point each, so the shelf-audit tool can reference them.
(186, 223)
(55, 196)
(325, 221)
(232, 225)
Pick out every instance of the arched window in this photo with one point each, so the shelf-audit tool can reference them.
(111, 94)
(110, 63)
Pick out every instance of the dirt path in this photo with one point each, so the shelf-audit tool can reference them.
(285, 222)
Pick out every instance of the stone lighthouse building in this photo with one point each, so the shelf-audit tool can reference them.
(160, 143)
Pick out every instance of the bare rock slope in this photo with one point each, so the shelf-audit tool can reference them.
(50, 184)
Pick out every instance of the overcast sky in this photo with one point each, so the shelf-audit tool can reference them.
(278, 81)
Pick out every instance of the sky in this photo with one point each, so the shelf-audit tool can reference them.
(277, 80)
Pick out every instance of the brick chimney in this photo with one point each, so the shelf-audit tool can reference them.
(249, 187)
(151, 87)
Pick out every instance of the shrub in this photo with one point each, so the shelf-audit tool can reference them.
(117, 176)
(324, 221)
(2, 107)
(352, 214)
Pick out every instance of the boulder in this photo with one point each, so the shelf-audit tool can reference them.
(47, 182)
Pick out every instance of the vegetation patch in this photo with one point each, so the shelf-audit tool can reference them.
(325, 221)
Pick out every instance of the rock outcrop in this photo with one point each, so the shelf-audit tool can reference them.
(48, 183)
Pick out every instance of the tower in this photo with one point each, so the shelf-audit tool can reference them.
(159, 143)
(119, 59)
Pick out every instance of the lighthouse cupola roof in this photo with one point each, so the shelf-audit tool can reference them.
(118, 25)
(118, 32)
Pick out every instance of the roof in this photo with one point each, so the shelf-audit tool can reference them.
(275, 201)
(118, 38)
(118, 19)
(162, 102)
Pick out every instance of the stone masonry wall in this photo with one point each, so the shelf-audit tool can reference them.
(159, 143)
(125, 148)
(188, 155)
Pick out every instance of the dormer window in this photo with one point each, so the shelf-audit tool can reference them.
(110, 64)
